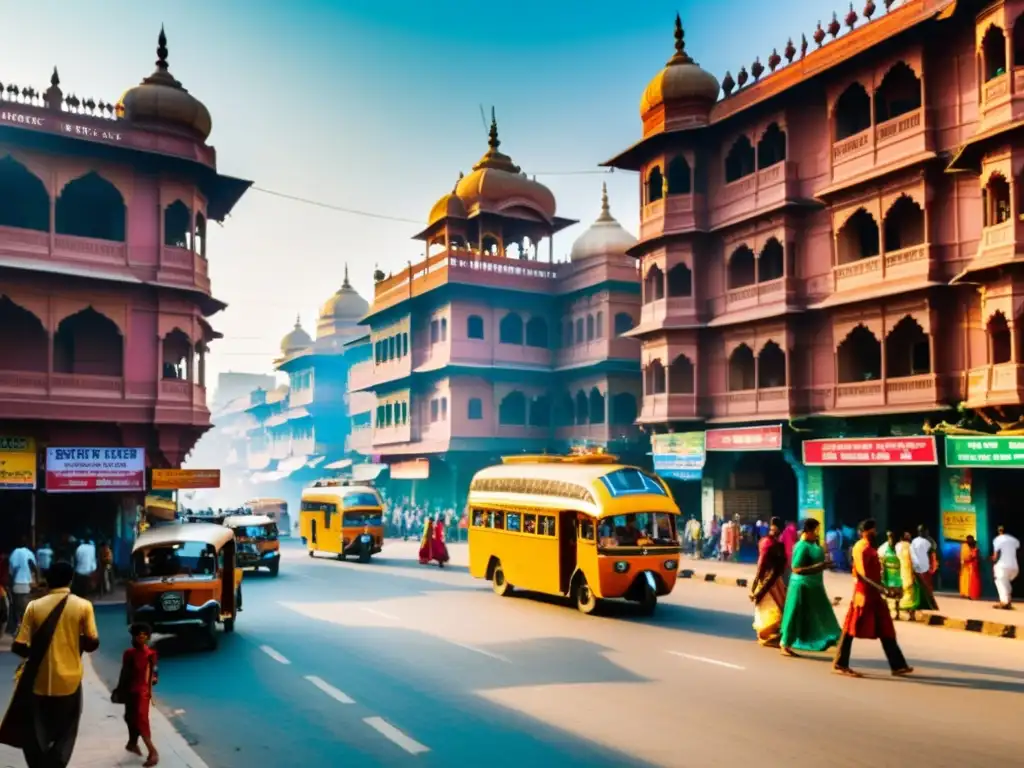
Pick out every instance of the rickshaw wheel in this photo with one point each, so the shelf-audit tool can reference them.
(210, 635)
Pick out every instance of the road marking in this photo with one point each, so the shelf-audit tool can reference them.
(706, 660)
(274, 654)
(330, 690)
(481, 651)
(375, 612)
(395, 736)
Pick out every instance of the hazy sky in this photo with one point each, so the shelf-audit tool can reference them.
(375, 105)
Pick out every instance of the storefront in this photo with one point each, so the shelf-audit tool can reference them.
(678, 459)
(18, 472)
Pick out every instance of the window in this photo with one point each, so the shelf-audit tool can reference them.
(388, 414)
(435, 331)
(510, 331)
(590, 327)
(475, 409)
(479, 518)
(362, 518)
(405, 413)
(587, 529)
(475, 327)
(444, 329)
(444, 409)
(643, 529)
(318, 506)
(623, 323)
(547, 525)
(405, 344)
(530, 523)
(434, 409)
(599, 330)
(498, 520)
(512, 522)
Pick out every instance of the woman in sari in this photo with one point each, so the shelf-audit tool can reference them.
(438, 549)
(769, 590)
(916, 595)
(426, 541)
(970, 572)
(808, 622)
(892, 576)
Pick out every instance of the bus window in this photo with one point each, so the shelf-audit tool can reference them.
(587, 529)
(530, 523)
(498, 520)
(512, 521)
(547, 525)
(360, 499)
(479, 518)
(318, 506)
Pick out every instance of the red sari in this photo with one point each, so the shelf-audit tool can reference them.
(432, 546)
(970, 573)
(868, 617)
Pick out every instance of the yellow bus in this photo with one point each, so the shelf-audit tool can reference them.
(583, 527)
(342, 519)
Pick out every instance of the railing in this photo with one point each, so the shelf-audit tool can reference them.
(912, 261)
(897, 126)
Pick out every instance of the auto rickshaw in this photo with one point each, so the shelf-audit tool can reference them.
(256, 542)
(185, 580)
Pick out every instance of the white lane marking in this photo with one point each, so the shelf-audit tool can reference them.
(706, 660)
(375, 612)
(481, 651)
(330, 690)
(395, 736)
(274, 654)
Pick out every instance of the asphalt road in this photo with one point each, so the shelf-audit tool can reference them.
(395, 664)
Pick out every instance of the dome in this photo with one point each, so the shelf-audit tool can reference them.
(681, 80)
(162, 101)
(448, 206)
(345, 304)
(295, 340)
(604, 237)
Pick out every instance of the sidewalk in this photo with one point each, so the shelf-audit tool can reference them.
(102, 733)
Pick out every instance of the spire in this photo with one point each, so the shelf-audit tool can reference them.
(606, 213)
(162, 75)
(492, 137)
(492, 157)
(161, 50)
(55, 78)
(298, 322)
(681, 56)
(345, 284)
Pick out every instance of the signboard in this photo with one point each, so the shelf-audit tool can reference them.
(417, 469)
(957, 526)
(75, 470)
(680, 474)
(680, 451)
(178, 479)
(17, 463)
(766, 438)
(994, 452)
(871, 451)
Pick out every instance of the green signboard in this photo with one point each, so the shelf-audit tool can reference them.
(985, 451)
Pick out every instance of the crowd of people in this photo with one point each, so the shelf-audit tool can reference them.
(406, 519)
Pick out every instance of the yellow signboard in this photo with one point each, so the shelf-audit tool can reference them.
(957, 526)
(18, 463)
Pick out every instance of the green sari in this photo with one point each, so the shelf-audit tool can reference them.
(808, 621)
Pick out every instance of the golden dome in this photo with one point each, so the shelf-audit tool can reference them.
(345, 304)
(161, 100)
(605, 237)
(295, 340)
(448, 206)
(682, 79)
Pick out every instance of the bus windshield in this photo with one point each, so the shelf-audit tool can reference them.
(643, 529)
(363, 518)
(266, 532)
(361, 499)
(188, 558)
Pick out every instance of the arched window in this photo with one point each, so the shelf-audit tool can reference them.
(771, 149)
(1018, 42)
(405, 343)
(907, 350)
(596, 406)
(537, 333)
(405, 413)
(565, 416)
(1000, 340)
(680, 376)
(177, 348)
(679, 176)
(599, 325)
(24, 201)
(741, 369)
(199, 239)
(475, 327)
(771, 366)
(444, 329)
(993, 47)
(88, 343)
(680, 281)
(444, 409)
(177, 223)
(852, 112)
(899, 93)
(904, 224)
(654, 380)
(391, 347)
(511, 329)
(623, 323)
(24, 343)
(590, 327)
(582, 408)
(740, 160)
(512, 410)
(771, 263)
(741, 270)
(379, 422)
(860, 357)
(654, 284)
(90, 206)
(490, 246)
(579, 330)
(858, 238)
(655, 184)
(624, 410)
(995, 199)
(475, 409)
(540, 411)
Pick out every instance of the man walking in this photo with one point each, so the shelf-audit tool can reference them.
(921, 557)
(24, 573)
(85, 568)
(1005, 570)
(44, 559)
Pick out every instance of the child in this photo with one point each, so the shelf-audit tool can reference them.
(135, 691)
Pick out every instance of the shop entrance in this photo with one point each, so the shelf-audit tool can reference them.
(762, 486)
(852, 500)
(913, 500)
(61, 516)
(17, 514)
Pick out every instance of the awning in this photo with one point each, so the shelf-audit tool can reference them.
(367, 473)
(340, 464)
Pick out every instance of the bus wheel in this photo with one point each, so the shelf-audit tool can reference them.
(498, 582)
(341, 556)
(585, 600)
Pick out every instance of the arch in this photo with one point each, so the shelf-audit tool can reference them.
(177, 350)
(510, 331)
(898, 93)
(88, 343)
(623, 323)
(474, 327)
(771, 366)
(540, 411)
(490, 245)
(903, 226)
(654, 284)
(565, 415)
(679, 176)
(771, 148)
(858, 238)
(90, 206)
(741, 270)
(582, 408)
(741, 369)
(444, 331)
(852, 111)
(579, 330)
(740, 160)
(680, 376)
(771, 262)
(177, 223)
(590, 327)
(623, 409)
(655, 184)
(24, 201)
(596, 406)
(512, 410)
(995, 200)
(1000, 339)
(199, 235)
(993, 53)
(24, 342)
(654, 378)
(599, 325)
(907, 350)
(475, 409)
(859, 356)
(680, 281)
(1018, 41)
(537, 333)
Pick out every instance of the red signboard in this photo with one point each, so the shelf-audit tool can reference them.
(71, 470)
(871, 451)
(768, 438)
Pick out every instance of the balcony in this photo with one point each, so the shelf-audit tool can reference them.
(998, 245)
(768, 402)
(182, 266)
(923, 391)
(1002, 99)
(881, 146)
(598, 350)
(762, 190)
(391, 435)
(906, 264)
(1001, 384)
(669, 407)
(672, 214)
(771, 293)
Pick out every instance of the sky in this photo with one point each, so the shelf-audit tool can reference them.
(375, 106)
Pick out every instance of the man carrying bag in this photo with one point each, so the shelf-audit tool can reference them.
(42, 717)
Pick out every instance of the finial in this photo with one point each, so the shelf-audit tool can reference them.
(55, 78)
(298, 322)
(680, 57)
(345, 283)
(605, 209)
(161, 50)
(492, 137)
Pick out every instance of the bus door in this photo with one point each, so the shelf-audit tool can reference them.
(312, 529)
(566, 549)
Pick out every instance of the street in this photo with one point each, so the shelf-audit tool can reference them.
(394, 663)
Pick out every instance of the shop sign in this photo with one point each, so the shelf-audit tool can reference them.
(417, 469)
(871, 451)
(766, 438)
(17, 463)
(995, 452)
(76, 470)
(679, 455)
(957, 526)
(178, 479)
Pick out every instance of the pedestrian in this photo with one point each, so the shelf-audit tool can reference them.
(916, 595)
(868, 616)
(1005, 570)
(42, 717)
(921, 549)
(769, 589)
(808, 621)
(970, 570)
(106, 565)
(790, 536)
(135, 690)
(892, 573)
(85, 568)
(44, 559)
(24, 575)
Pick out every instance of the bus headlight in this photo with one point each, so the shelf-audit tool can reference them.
(671, 565)
(621, 567)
